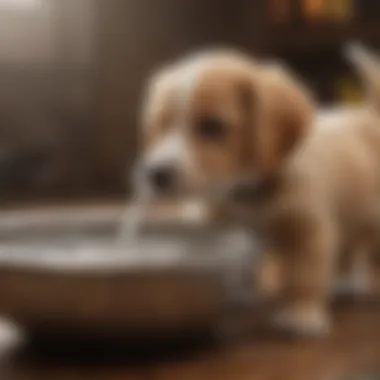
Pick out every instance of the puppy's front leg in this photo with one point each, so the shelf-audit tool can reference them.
(355, 277)
(309, 252)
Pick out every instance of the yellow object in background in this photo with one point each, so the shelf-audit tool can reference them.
(328, 10)
(349, 92)
(340, 10)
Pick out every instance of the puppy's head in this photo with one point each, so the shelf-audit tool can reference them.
(216, 118)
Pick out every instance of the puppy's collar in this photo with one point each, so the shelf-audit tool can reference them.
(252, 189)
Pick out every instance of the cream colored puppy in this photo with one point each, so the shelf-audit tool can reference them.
(246, 134)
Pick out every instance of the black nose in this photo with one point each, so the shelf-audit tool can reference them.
(162, 178)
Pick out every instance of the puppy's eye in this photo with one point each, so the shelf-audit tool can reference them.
(210, 128)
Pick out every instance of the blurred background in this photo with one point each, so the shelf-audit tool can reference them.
(71, 77)
(71, 74)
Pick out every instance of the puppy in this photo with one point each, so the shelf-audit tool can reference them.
(246, 134)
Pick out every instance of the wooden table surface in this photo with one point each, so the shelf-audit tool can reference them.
(351, 352)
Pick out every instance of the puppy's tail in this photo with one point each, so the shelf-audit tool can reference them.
(367, 65)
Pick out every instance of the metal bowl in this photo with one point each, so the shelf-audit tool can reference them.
(64, 268)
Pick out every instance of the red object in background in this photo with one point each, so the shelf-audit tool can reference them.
(313, 9)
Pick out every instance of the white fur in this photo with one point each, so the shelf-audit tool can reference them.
(336, 118)
(188, 77)
(170, 149)
(194, 211)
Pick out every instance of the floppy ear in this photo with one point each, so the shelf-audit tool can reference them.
(285, 113)
(367, 64)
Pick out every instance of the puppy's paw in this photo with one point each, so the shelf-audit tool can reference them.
(303, 321)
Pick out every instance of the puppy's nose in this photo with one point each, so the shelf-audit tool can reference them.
(162, 178)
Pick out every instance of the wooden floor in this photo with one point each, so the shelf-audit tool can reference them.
(352, 351)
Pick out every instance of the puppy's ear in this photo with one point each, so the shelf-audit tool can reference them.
(285, 116)
(367, 64)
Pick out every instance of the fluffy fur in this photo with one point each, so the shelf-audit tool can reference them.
(307, 184)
